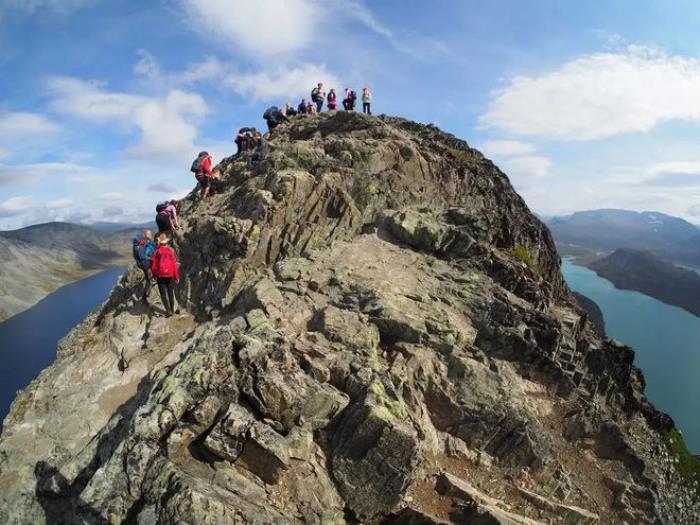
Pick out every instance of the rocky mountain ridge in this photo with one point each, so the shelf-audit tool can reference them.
(376, 331)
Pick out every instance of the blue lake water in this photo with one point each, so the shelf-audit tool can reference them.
(28, 340)
(666, 340)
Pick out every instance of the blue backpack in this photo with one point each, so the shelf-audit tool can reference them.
(143, 251)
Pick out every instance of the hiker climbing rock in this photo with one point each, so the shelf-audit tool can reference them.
(165, 269)
(242, 138)
(201, 167)
(349, 100)
(143, 249)
(166, 217)
(318, 96)
(332, 100)
(259, 149)
(274, 117)
(366, 101)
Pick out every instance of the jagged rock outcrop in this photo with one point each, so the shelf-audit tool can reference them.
(376, 331)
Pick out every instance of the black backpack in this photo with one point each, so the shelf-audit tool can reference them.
(270, 112)
(353, 96)
(161, 206)
(315, 93)
(197, 163)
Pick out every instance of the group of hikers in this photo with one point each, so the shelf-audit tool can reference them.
(275, 116)
(154, 254)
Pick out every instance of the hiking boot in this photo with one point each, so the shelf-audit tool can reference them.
(168, 314)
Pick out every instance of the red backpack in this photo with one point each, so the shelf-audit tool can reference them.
(165, 262)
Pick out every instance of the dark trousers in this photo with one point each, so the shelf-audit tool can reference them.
(166, 287)
(147, 283)
(319, 105)
(163, 223)
(365, 108)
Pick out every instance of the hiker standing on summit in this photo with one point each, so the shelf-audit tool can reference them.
(332, 100)
(366, 101)
(166, 271)
(318, 96)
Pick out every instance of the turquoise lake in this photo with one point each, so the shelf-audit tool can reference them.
(666, 340)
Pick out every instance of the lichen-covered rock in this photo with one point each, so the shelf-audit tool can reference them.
(375, 329)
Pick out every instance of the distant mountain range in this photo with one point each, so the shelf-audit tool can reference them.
(37, 260)
(667, 237)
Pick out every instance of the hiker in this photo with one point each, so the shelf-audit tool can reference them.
(289, 110)
(349, 100)
(201, 167)
(259, 151)
(311, 108)
(332, 100)
(166, 217)
(244, 135)
(366, 101)
(165, 269)
(302, 108)
(143, 248)
(318, 96)
(274, 117)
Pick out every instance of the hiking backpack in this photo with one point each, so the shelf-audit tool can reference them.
(315, 94)
(197, 163)
(161, 206)
(270, 112)
(166, 264)
(353, 96)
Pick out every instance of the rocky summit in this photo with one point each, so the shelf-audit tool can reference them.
(374, 329)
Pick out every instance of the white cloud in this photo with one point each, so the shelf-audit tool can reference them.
(15, 206)
(258, 28)
(21, 125)
(284, 82)
(531, 167)
(506, 148)
(167, 124)
(60, 203)
(599, 95)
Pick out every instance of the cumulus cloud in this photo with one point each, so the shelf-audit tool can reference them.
(258, 28)
(694, 210)
(167, 124)
(161, 187)
(111, 212)
(28, 174)
(506, 148)
(15, 206)
(21, 124)
(531, 167)
(60, 203)
(599, 95)
(282, 82)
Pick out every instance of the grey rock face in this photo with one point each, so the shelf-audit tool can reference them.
(376, 331)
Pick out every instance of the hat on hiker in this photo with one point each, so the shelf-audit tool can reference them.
(163, 239)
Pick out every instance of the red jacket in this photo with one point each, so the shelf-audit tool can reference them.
(164, 263)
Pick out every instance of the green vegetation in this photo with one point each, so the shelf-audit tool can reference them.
(522, 253)
(688, 465)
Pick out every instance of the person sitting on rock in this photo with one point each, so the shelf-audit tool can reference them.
(349, 100)
(289, 110)
(274, 117)
(203, 173)
(143, 249)
(310, 108)
(302, 107)
(332, 100)
(167, 273)
(166, 217)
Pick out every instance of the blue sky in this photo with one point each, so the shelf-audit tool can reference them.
(103, 104)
